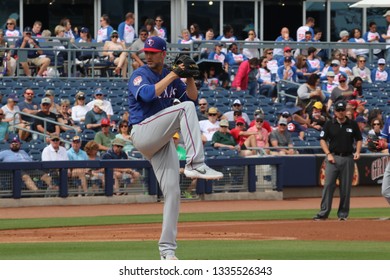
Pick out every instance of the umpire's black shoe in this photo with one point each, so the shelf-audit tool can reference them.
(319, 218)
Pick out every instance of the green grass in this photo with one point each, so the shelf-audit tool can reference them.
(184, 217)
(200, 250)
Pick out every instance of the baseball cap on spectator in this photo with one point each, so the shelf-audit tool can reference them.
(240, 120)
(105, 122)
(13, 97)
(28, 29)
(381, 61)
(282, 121)
(343, 77)
(76, 138)
(99, 91)
(80, 95)
(360, 119)
(114, 32)
(84, 30)
(49, 92)
(54, 137)
(15, 140)
(212, 110)
(46, 100)
(286, 114)
(224, 123)
(330, 74)
(237, 101)
(259, 111)
(387, 13)
(99, 104)
(118, 142)
(288, 59)
(335, 62)
(343, 33)
(259, 116)
(176, 135)
(287, 48)
(318, 105)
(155, 44)
(340, 104)
(219, 44)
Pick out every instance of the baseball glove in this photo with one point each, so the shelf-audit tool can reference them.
(382, 144)
(372, 143)
(190, 69)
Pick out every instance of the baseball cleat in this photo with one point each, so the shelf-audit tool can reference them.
(342, 219)
(169, 258)
(203, 172)
(319, 218)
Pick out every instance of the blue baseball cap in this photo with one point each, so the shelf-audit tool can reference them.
(84, 30)
(155, 44)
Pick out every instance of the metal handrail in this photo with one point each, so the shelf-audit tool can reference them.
(45, 121)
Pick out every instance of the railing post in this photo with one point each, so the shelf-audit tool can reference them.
(252, 178)
(64, 182)
(17, 183)
(109, 181)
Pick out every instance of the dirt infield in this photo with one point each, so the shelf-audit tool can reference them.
(353, 229)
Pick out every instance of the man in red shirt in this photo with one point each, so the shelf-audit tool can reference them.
(245, 139)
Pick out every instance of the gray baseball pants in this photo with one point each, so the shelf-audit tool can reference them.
(386, 183)
(153, 138)
(342, 169)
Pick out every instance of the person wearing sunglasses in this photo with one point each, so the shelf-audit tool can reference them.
(6, 59)
(211, 125)
(251, 40)
(50, 128)
(11, 30)
(105, 29)
(343, 90)
(381, 73)
(361, 70)
(124, 129)
(79, 109)
(113, 50)
(338, 140)
(261, 133)
(106, 105)
(161, 30)
(280, 139)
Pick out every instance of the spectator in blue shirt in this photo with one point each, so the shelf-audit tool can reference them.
(75, 153)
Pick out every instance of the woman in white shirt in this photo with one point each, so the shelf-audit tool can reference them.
(251, 52)
(79, 110)
(9, 111)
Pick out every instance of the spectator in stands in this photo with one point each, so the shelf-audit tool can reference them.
(317, 116)
(104, 32)
(149, 26)
(386, 127)
(68, 32)
(223, 139)
(266, 124)
(79, 110)
(280, 138)
(315, 64)
(375, 113)
(284, 37)
(228, 36)
(220, 56)
(36, 29)
(251, 52)
(64, 117)
(185, 40)
(272, 63)
(50, 128)
(381, 73)
(92, 150)
(310, 91)
(287, 72)
(33, 53)
(54, 151)
(296, 112)
(30, 107)
(54, 107)
(372, 36)
(245, 139)
(205, 52)
(59, 32)
(343, 91)
(9, 110)
(105, 136)
(361, 70)
(15, 154)
(137, 53)
(94, 117)
(202, 109)
(362, 124)
(210, 126)
(386, 36)
(344, 65)
(236, 106)
(124, 134)
(211, 79)
(266, 79)
(262, 133)
(113, 49)
(106, 105)
(126, 30)
(196, 35)
(308, 38)
(3, 128)
(376, 127)
(12, 31)
(160, 29)
(329, 85)
(302, 68)
(301, 31)
(294, 127)
(6, 59)
(335, 68)
(357, 107)
(76, 153)
(344, 37)
(116, 152)
(234, 57)
(245, 79)
(286, 54)
(356, 37)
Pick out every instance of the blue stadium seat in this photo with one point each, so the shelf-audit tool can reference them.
(36, 155)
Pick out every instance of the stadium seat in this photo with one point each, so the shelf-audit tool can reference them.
(36, 155)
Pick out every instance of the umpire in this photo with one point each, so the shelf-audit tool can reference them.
(337, 141)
